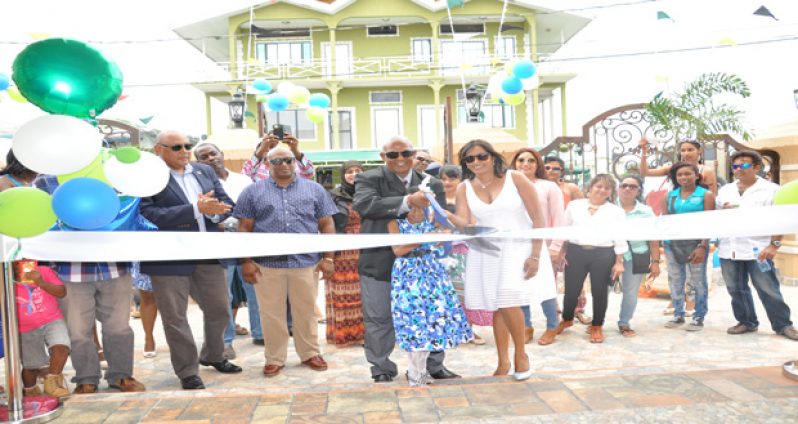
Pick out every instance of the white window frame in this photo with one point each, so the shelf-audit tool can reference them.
(455, 70)
(419, 123)
(499, 39)
(267, 41)
(374, 141)
(381, 35)
(352, 114)
(294, 126)
(326, 67)
(401, 97)
(413, 53)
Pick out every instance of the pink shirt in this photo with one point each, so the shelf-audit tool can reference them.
(36, 307)
(551, 202)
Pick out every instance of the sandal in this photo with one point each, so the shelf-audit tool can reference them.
(596, 334)
(626, 331)
(583, 319)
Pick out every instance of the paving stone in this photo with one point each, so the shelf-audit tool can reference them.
(452, 402)
(382, 417)
(280, 410)
(359, 402)
(473, 412)
(327, 419)
(275, 399)
(226, 407)
(772, 375)
(561, 401)
(412, 392)
(597, 399)
(732, 390)
(310, 397)
(444, 391)
(499, 394)
(530, 408)
(417, 409)
(167, 409)
(308, 408)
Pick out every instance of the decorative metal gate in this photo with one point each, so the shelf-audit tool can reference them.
(609, 144)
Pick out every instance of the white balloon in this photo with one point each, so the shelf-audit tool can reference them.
(5, 146)
(285, 87)
(145, 177)
(531, 83)
(56, 144)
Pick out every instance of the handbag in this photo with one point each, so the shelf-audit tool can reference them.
(654, 198)
(640, 261)
(681, 249)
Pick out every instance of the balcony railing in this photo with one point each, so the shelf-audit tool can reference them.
(369, 68)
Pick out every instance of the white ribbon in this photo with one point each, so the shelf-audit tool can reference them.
(84, 246)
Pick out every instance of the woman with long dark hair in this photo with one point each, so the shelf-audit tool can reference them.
(15, 174)
(505, 200)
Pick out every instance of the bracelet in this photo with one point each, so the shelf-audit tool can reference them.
(656, 261)
(328, 259)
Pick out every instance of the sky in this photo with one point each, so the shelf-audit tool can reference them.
(602, 83)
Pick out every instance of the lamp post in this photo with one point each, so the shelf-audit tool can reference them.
(473, 103)
(237, 107)
(795, 96)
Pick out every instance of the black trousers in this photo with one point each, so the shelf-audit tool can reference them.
(584, 260)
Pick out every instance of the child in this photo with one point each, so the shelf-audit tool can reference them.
(427, 316)
(41, 324)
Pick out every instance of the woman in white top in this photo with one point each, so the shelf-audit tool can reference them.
(501, 281)
(603, 259)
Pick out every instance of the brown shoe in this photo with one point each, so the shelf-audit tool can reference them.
(596, 334)
(563, 325)
(529, 334)
(128, 384)
(84, 389)
(270, 370)
(548, 337)
(316, 363)
(584, 319)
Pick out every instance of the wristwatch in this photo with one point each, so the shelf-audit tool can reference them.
(776, 243)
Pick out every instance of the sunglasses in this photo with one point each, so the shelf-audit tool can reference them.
(424, 160)
(471, 158)
(629, 186)
(177, 147)
(395, 155)
(552, 168)
(746, 165)
(528, 160)
(287, 161)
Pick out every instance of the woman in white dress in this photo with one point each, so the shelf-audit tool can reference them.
(502, 281)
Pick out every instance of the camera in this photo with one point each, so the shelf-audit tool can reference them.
(281, 130)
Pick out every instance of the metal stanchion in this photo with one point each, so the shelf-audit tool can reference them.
(790, 370)
(13, 360)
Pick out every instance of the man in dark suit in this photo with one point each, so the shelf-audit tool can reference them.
(381, 195)
(194, 200)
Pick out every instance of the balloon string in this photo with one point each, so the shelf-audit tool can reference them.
(454, 38)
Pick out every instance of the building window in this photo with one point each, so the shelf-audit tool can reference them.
(495, 115)
(344, 129)
(301, 127)
(457, 53)
(505, 47)
(382, 31)
(463, 29)
(385, 97)
(284, 52)
(422, 50)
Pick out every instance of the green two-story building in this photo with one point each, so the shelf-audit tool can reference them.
(389, 65)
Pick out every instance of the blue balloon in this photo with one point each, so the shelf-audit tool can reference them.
(319, 99)
(85, 203)
(4, 82)
(262, 85)
(524, 69)
(512, 85)
(278, 102)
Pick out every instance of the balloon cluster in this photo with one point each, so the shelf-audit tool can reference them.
(72, 80)
(316, 104)
(11, 91)
(508, 87)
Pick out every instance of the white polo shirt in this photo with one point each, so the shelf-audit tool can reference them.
(759, 194)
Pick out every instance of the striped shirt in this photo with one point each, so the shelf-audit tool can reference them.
(258, 169)
(81, 272)
(296, 208)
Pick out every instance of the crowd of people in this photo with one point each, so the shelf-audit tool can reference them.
(425, 297)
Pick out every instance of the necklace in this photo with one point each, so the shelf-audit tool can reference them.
(591, 208)
(483, 185)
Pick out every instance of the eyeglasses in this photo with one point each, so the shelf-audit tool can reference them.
(629, 186)
(424, 160)
(528, 160)
(395, 155)
(746, 165)
(471, 158)
(552, 168)
(287, 161)
(177, 147)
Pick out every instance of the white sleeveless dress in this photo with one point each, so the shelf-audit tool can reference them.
(493, 279)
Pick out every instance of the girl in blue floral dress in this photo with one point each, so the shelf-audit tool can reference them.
(427, 316)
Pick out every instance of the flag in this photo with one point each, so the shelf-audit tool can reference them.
(146, 120)
(763, 11)
(662, 15)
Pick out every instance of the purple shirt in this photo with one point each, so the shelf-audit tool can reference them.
(293, 209)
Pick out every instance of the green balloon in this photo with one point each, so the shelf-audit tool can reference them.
(93, 170)
(127, 154)
(787, 194)
(67, 77)
(25, 212)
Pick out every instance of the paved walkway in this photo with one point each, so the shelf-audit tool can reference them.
(659, 376)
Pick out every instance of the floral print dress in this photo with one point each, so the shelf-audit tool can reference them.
(426, 313)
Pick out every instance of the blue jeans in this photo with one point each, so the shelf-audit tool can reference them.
(677, 278)
(549, 310)
(736, 275)
(630, 284)
(252, 307)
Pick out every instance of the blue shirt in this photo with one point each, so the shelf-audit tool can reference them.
(296, 208)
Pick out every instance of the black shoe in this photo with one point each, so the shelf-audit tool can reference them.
(382, 378)
(224, 366)
(192, 382)
(258, 342)
(444, 374)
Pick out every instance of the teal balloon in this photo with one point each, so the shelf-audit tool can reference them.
(25, 212)
(262, 85)
(85, 203)
(787, 194)
(524, 69)
(319, 100)
(67, 77)
(512, 85)
(4, 82)
(278, 102)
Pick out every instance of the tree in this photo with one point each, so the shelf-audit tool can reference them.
(695, 114)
